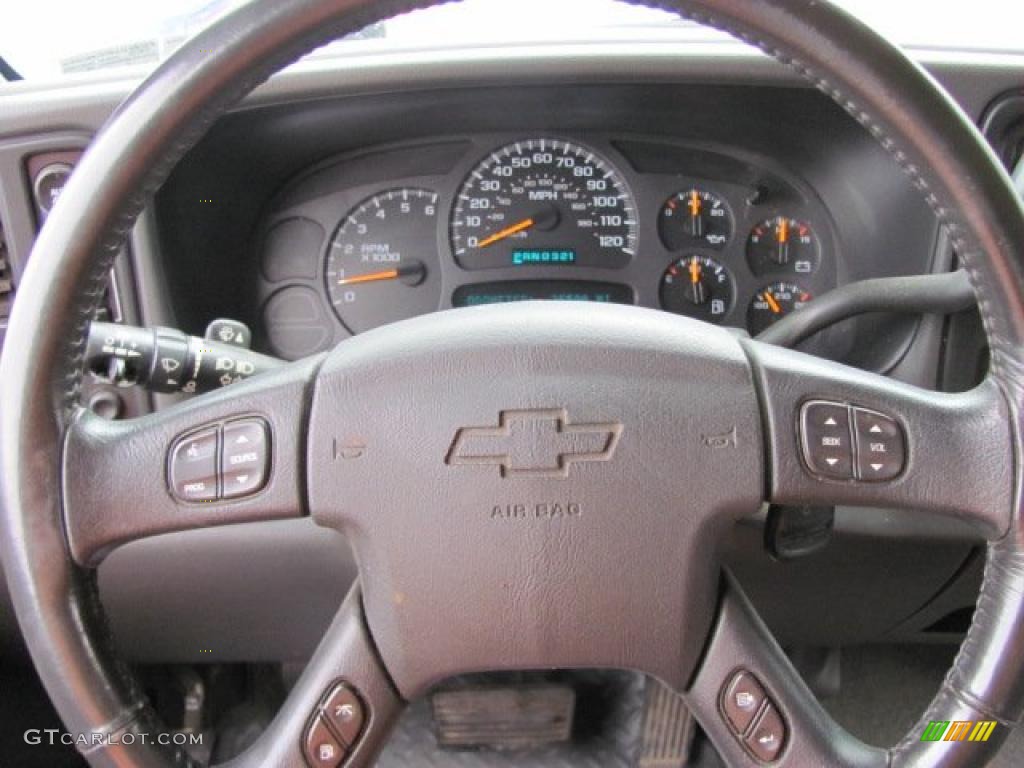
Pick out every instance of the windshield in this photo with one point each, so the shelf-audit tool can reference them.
(53, 39)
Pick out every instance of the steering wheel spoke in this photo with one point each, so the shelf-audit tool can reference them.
(755, 707)
(835, 434)
(341, 709)
(231, 456)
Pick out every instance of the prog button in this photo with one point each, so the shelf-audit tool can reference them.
(193, 466)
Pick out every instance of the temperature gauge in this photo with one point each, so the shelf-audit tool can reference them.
(782, 244)
(697, 286)
(774, 302)
(693, 218)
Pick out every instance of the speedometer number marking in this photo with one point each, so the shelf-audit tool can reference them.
(543, 202)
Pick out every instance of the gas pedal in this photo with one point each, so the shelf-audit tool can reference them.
(668, 728)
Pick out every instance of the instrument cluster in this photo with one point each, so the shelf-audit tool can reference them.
(725, 240)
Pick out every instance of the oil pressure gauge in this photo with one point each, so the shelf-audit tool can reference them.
(694, 217)
(697, 286)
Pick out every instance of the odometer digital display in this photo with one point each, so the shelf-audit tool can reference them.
(522, 258)
(543, 202)
(508, 291)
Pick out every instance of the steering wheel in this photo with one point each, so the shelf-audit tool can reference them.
(554, 493)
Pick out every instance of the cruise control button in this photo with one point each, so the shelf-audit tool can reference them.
(345, 712)
(881, 448)
(768, 736)
(827, 444)
(245, 457)
(741, 701)
(193, 466)
(322, 748)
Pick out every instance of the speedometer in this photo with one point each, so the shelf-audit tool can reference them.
(543, 202)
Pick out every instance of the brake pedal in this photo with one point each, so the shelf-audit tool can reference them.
(505, 718)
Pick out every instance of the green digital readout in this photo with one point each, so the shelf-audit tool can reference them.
(549, 256)
(509, 291)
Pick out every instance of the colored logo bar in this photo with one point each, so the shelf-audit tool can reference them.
(958, 730)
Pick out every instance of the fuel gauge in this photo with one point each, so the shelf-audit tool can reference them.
(774, 302)
(697, 286)
(782, 244)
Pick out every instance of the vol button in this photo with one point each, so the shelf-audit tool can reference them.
(881, 447)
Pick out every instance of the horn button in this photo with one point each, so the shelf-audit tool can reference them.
(536, 485)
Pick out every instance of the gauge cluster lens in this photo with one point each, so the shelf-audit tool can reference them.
(693, 218)
(543, 202)
(697, 286)
(382, 263)
(783, 245)
(538, 218)
(508, 291)
(774, 302)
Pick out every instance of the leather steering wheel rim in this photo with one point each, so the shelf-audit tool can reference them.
(56, 598)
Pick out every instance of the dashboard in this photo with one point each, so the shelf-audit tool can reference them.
(333, 217)
(507, 217)
(281, 201)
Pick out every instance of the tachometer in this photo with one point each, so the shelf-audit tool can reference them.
(543, 202)
(382, 263)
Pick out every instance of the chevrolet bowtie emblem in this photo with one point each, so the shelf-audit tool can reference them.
(536, 443)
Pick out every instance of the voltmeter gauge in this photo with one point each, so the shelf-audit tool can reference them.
(697, 286)
(693, 218)
(783, 245)
(774, 302)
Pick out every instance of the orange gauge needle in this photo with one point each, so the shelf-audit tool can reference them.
(370, 277)
(506, 232)
(782, 230)
(694, 203)
(694, 271)
(783, 235)
(414, 271)
(773, 305)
